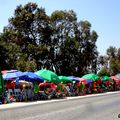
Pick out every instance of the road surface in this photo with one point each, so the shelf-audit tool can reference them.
(105, 107)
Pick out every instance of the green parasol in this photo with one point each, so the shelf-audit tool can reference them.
(65, 79)
(105, 78)
(48, 75)
(91, 76)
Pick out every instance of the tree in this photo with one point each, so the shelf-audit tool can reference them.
(111, 52)
(113, 56)
(118, 54)
(31, 28)
(64, 25)
(26, 65)
(57, 42)
(3, 53)
(76, 42)
(104, 72)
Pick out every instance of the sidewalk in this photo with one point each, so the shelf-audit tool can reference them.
(21, 104)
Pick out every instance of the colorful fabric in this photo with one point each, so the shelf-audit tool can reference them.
(81, 87)
(36, 88)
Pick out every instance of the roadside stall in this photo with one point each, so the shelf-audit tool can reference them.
(47, 90)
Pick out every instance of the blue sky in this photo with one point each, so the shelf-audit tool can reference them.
(102, 14)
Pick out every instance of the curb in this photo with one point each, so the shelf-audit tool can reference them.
(23, 104)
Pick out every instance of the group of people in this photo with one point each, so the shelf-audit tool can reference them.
(18, 93)
(38, 91)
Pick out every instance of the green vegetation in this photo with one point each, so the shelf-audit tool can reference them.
(113, 56)
(33, 40)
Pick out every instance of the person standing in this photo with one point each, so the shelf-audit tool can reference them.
(36, 90)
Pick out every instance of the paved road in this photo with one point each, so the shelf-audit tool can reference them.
(106, 107)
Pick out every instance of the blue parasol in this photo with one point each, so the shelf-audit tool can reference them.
(73, 78)
(12, 75)
(30, 76)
